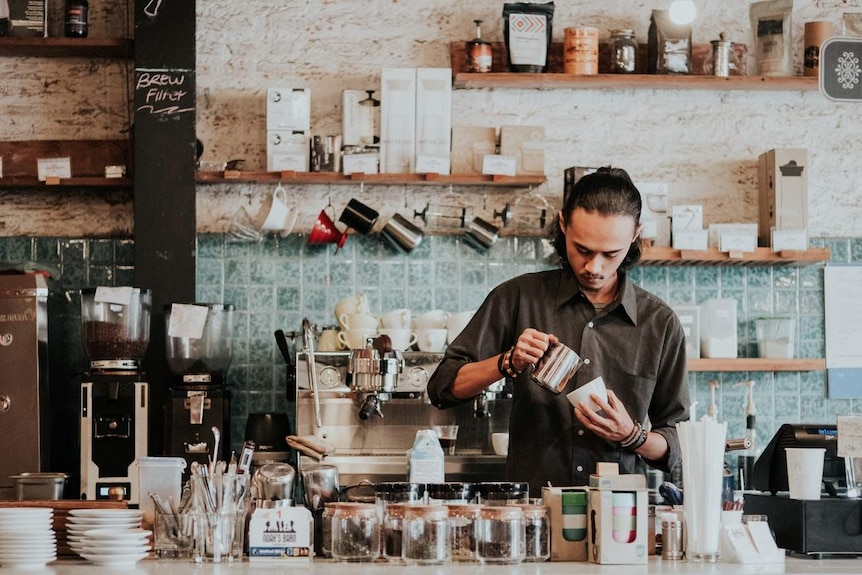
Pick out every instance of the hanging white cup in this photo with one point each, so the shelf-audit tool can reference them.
(275, 215)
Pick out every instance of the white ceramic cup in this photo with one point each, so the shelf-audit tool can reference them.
(355, 338)
(356, 303)
(396, 319)
(329, 341)
(401, 339)
(456, 323)
(595, 387)
(431, 340)
(275, 215)
(357, 321)
(805, 471)
(500, 443)
(434, 319)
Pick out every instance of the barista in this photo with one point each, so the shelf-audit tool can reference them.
(624, 334)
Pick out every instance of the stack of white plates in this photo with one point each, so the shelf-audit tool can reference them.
(111, 537)
(27, 538)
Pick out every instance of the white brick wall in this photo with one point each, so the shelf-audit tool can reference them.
(703, 143)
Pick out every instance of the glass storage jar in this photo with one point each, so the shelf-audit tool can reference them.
(624, 51)
(500, 534)
(355, 533)
(326, 528)
(392, 531)
(450, 492)
(503, 493)
(462, 529)
(387, 492)
(425, 536)
(537, 543)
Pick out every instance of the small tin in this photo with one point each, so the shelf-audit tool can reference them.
(721, 49)
(671, 540)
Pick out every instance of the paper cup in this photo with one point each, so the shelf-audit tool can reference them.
(805, 471)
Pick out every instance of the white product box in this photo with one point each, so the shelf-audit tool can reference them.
(286, 151)
(696, 239)
(783, 182)
(604, 546)
(689, 317)
(789, 240)
(527, 143)
(397, 120)
(433, 120)
(687, 218)
(718, 336)
(567, 515)
(351, 119)
(288, 109)
(733, 237)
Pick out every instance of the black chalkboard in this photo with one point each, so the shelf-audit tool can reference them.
(161, 34)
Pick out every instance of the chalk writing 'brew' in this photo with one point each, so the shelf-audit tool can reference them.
(146, 80)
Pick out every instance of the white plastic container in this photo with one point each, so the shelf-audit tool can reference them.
(162, 475)
(775, 336)
(718, 336)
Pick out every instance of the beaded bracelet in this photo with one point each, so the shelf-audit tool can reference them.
(500, 362)
(507, 364)
(635, 439)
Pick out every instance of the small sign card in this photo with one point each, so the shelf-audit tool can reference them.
(280, 535)
(187, 321)
(54, 168)
(116, 295)
(498, 165)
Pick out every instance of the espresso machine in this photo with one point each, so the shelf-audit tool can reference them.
(115, 325)
(198, 346)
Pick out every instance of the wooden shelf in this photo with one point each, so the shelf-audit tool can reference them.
(756, 364)
(554, 78)
(662, 256)
(82, 182)
(631, 82)
(377, 179)
(67, 47)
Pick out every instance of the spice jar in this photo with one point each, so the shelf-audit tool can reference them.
(537, 532)
(502, 493)
(624, 51)
(462, 528)
(392, 531)
(425, 536)
(500, 534)
(355, 534)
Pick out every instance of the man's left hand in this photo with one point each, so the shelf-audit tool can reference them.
(615, 425)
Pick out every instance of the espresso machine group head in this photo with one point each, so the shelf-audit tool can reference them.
(374, 374)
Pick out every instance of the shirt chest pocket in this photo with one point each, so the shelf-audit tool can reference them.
(635, 391)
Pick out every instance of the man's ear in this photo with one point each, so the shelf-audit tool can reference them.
(638, 231)
(561, 220)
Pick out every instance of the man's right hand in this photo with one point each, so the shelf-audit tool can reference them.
(530, 347)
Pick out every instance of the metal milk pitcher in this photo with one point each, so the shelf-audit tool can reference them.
(556, 367)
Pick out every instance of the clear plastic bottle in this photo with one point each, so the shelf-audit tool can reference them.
(500, 534)
(624, 51)
(355, 533)
(462, 526)
(425, 535)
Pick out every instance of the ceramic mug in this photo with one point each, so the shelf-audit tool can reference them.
(329, 341)
(356, 303)
(401, 339)
(434, 319)
(275, 215)
(357, 321)
(396, 319)
(355, 338)
(431, 340)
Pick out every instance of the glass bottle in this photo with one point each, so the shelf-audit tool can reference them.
(462, 527)
(500, 534)
(425, 535)
(537, 533)
(369, 120)
(624, 51)
(393, 531)
(77, 18)
(480, 55)
(355, 534)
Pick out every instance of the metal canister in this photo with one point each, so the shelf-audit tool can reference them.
(721, 49)
(671, 540)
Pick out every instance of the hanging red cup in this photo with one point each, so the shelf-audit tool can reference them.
(324, 231)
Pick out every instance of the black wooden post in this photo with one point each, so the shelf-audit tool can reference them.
(164, 176)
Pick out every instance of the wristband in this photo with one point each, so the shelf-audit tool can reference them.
(500, 364)
(635, 439)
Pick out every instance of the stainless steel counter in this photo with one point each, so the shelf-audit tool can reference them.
(467, 467)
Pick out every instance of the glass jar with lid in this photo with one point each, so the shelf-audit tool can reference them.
(462, 529)
(450, 492)
(425, 535)
(624, 51)
(326, 527)
(516, 493)
(355, 534)
(392, 531)
(537, 531)
(500, 534)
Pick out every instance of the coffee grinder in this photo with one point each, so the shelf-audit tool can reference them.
(115, 325)
(198, 342)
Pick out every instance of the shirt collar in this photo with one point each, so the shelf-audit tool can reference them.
(569, 289)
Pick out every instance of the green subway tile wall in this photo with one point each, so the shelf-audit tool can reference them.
(276, 283)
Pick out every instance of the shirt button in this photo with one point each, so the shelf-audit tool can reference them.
(580, 432)
(590, 324)
(580, 467)
(586, 361)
